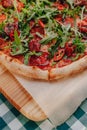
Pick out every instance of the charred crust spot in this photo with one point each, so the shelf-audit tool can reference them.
(11, 60)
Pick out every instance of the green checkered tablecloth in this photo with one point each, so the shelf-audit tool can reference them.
(11, 119)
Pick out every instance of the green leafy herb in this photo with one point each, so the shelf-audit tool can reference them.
(80, 46)
(17, 47)
(83, 9)
(71, 3)
(65, 35)
(54, 48)
(47, 39)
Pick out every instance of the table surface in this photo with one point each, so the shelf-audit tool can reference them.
(11, 119)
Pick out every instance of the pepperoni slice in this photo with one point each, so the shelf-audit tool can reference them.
(69, 49)
(83, 25)
(10, 28)
(34, 45)
(7, 3)
(40, 61)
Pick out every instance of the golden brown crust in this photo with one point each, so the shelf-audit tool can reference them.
(73, 68)
(15, 66)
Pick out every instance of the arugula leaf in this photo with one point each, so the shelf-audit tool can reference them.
(71, 3)
(83, 9)
(47, 39)
(15, 7)
(16, 38)
(17, 47)
(24, 1)
(80, 46)
(65, 35)
(71, 12)
(54, 48)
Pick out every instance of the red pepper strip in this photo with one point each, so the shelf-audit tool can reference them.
(41, 24)
(59, 55)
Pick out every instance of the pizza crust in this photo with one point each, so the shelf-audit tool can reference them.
(71, 69)
(17, 67)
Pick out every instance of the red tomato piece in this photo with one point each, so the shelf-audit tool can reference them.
(34, 45)
(40, 61)
(2, 18)
(64, 62)
(20, 6)
(59, 55)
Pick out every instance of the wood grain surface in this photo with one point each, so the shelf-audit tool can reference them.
(19, 97)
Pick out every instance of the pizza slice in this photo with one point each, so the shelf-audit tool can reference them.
(43, 39)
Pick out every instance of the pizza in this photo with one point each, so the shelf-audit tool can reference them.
(43, 39)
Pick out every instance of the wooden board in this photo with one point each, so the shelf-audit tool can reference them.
(19, 97)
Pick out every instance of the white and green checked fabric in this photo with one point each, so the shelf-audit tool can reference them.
(11, 119)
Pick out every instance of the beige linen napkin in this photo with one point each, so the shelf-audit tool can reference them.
(58, 99)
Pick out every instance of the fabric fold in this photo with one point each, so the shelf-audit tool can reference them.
(58, 99)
